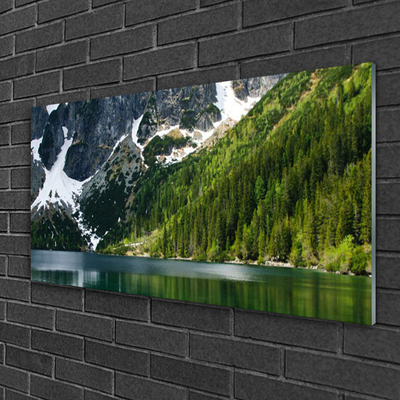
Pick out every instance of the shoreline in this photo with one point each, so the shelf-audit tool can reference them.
(276, 264)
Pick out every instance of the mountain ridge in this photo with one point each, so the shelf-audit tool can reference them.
(87, 137)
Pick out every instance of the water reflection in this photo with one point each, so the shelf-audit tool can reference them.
(289, 291)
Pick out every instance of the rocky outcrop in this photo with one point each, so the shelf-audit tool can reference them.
(182, 106)
(255, 87)
(53, 138)
(39, 117)
(99, 124)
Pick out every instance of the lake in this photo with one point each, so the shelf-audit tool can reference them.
(302, 292)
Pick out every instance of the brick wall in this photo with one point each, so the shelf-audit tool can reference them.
(67, 343)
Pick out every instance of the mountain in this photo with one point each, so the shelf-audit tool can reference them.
(290, 182)
(88, 157)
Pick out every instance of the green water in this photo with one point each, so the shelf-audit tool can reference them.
(301, 292)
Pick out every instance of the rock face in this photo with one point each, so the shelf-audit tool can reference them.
(255, 87)
(53, 137)
(39, 119)
(183, 106)
(99, 124)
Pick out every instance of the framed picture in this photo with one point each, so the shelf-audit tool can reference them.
(256, 193)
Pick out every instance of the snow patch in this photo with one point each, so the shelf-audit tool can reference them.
(50, 108)
(58, 187)
(135, 129)
(229, 105)
(35, 144)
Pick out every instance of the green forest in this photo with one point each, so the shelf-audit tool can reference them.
(291, 182)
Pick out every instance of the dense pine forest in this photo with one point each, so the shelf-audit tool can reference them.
(290, 182)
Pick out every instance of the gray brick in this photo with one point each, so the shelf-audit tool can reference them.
(130, 387)
(29, 360)
(50, 389)
(85, 325)
(6, 5)
(4, 178)
(103, 20)
(19, 3)
(21, 134)
(203, 318)
(5, 91)
(201, 396)
(16, 111)
(39, 37)
(6, 46)
(93, 74)
(19, 267)
(13, 378)
(333, 371)
(269, 40)
(341, 26)
(387, 307)
(58, 296)
(379, 344)
(4, 141)
(160, 61)
(117, 358)
(30, 315)
(54, 9)
(251, 387)
(198, 376)
(16, 66)
(17, 20)
(387, 125)
(146, 10)
(386, 161)
(17, 199)
(127, 41)
(85, 375)
(21, 178)
(89, 395)
(386, 198)
(205, 3)
(20, 222)
(17, 245)
(99, 3)
(14, 289)
(387, 234)
(145, 85)
(259, 11)
(12, 395)
(2, 310)
(320, 335)
(78, 95)
(3, 224)
(56, 343)
(37, 85)
(387, 93)
(387, 272)
(235, 353)
(10, 333)
(62, 56)
(199, 24)
(124, 306)
(3, 265)
(151, 337)
(321, 58)
(382, 52)
(199, 77)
